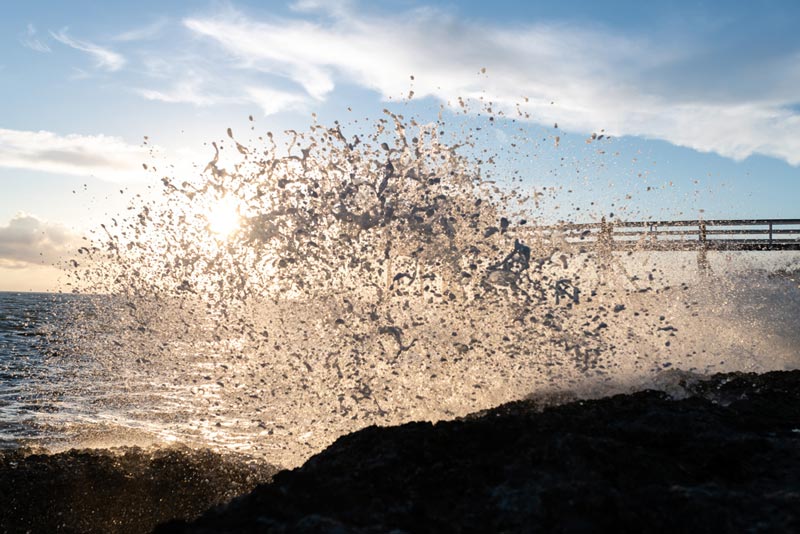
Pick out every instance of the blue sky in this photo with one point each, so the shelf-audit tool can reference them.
(701, 98)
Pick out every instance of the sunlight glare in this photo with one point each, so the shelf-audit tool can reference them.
(224, 218)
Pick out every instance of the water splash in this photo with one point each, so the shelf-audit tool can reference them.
(296, 293)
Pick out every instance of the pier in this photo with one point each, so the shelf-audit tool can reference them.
(689, 235)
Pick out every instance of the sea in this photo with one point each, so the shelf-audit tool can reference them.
(47, 400)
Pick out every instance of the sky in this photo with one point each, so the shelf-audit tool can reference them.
(700, 99)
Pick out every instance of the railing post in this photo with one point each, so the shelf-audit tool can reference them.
(770, 233)
(702, 252)
(605, 242)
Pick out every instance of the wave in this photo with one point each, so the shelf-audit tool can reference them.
(291, 294)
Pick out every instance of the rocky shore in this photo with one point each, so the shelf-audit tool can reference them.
(724, 458)
(716, 455)
(123, 490)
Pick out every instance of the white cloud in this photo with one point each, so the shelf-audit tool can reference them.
(273, 101)
(79, 74)
(104, 58)
(269, 47)
(30, 40)
(106, 158)
(188, 91)
(596, 78)
(193, 89)
(144, 33)
(332, 7)
(27, 240)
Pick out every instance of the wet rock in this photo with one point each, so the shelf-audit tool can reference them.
(726, 458)
(123, 490)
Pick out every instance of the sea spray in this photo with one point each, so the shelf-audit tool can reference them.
(303, 290)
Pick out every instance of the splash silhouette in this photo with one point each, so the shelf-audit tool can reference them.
(300, 292)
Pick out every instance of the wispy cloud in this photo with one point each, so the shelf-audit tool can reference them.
(27, 240)
(104, 157)
(594, 78)
(30, 40)
(104, 58)
(272, 101)
(79, 74)
(331, 7)
(259, 46)
(200, 90)
(143, 33)
(186, 91)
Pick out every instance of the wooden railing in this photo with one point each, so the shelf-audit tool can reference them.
(713, 234)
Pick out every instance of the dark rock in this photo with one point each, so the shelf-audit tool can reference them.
(725, 459)
(117, 490)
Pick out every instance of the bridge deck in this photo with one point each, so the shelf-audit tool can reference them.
(715, 234)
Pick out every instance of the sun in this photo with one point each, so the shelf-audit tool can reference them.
(224, 218)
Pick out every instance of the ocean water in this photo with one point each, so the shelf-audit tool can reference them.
(29, 393)
(49, 401)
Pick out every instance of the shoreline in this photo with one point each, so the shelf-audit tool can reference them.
(723, 455)
(724, 458)
(120, 489)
